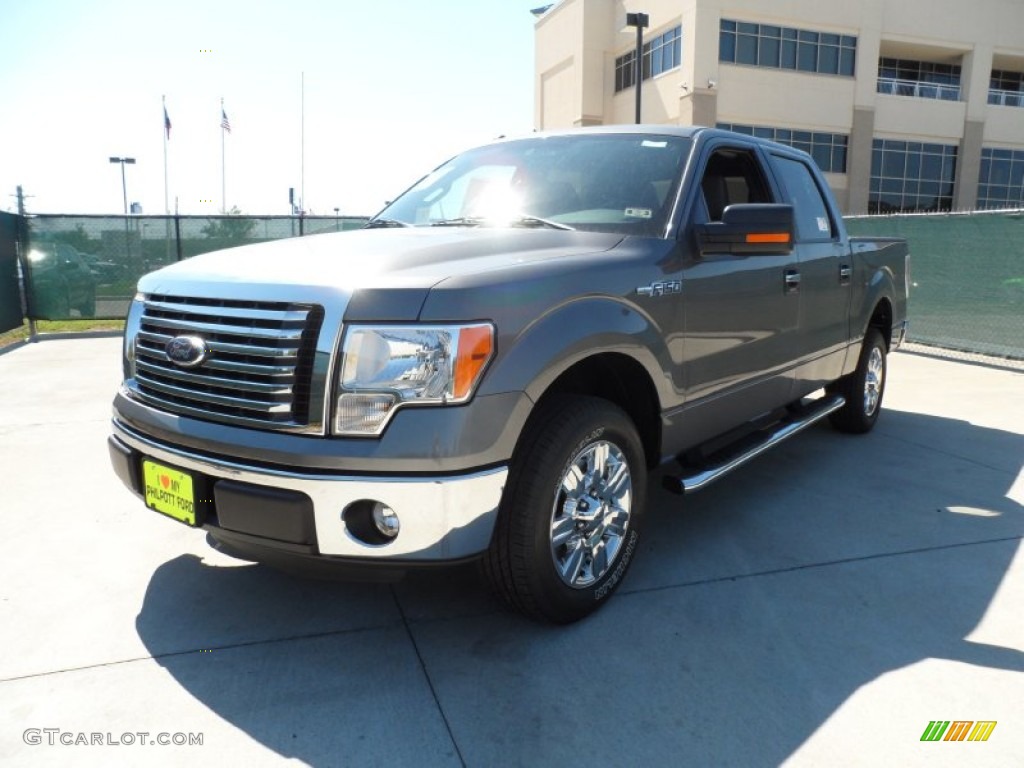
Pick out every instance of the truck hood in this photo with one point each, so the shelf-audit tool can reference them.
(384, 273)
(379, 258)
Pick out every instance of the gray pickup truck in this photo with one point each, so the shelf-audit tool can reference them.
(491, 368)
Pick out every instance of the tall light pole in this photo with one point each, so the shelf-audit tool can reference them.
(640, 21)
(124, 185)
(124, 190)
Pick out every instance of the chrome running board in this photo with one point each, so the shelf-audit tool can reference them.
(719, 465)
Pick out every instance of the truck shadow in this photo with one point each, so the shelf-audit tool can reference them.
(751, 616)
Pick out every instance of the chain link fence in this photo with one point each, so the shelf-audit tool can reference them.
(87, 266)
(967, 278)
(967, 269)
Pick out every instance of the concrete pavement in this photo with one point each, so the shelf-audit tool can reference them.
(819, 607)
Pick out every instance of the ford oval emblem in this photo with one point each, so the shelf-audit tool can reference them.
(186, 351)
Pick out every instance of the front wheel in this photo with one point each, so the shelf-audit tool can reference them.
(570, 515)
(863, 389)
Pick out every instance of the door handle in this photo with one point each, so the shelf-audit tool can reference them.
(792, 280)
(845, 273)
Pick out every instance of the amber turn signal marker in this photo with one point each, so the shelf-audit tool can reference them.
(476, 343)
(769, 237)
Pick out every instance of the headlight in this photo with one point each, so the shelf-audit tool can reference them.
(384, 368)
(131, 330)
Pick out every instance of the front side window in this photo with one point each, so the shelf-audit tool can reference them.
(602, 182)
(732, 177)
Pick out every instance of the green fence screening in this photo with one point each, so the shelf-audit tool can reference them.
(967, 269)
(87, 266)
(967, 278)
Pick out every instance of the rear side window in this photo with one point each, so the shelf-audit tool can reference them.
(809, 209)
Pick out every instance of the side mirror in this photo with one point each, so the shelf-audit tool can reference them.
(749, 229)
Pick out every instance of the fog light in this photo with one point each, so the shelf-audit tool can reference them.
(371, 522)
(386, 520)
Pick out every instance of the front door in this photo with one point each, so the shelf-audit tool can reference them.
(740, 312)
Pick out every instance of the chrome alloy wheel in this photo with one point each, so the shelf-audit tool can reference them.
(874, 379)
(590, 514)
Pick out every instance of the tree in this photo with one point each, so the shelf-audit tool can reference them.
(78, 239)
(231, 226)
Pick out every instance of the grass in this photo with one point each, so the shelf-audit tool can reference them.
(59, 326)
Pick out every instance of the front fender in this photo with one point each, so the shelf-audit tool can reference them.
(572, 332)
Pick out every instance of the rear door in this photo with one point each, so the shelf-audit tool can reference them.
(824, 274)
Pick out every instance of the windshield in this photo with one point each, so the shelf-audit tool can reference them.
(621, 183)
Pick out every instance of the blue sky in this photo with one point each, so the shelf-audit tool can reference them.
(392, 88)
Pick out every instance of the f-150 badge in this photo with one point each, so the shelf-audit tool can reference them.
(661, 288)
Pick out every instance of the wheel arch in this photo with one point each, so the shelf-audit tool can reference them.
(881, 318)
(621, 380)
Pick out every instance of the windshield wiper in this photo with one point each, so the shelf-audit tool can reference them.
(459, 221)
(528, 220)
(525, 220)
(384, 224)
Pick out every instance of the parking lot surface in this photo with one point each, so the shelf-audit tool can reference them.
(820, 607)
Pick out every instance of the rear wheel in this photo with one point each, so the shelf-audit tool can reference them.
(88, 306)
(863, 389)
(569, 521)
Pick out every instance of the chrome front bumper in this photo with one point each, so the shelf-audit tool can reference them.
(442, 518)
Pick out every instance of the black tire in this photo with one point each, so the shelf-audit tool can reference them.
(88, 306)
(863, 389)
(556, 582)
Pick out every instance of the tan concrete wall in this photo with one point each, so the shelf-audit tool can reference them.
(1004, 127)
(785, 99)
(923, 119)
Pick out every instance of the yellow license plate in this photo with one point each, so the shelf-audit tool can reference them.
(169, 491)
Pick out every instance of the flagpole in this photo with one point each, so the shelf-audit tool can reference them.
(167, 198)
(223, 176)
(302, 142)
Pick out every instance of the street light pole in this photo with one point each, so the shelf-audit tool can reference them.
(124, 184)
(640, 21)
(124, 191)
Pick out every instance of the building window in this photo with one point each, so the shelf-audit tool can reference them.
(909, 176)
(661, 54)
(922, 79)
(1006, 89)
(765, 45)
(1001, 181)
(827, 149)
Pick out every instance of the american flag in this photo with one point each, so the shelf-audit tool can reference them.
(224, 122)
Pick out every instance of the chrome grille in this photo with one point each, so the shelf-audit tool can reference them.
(259, 364)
